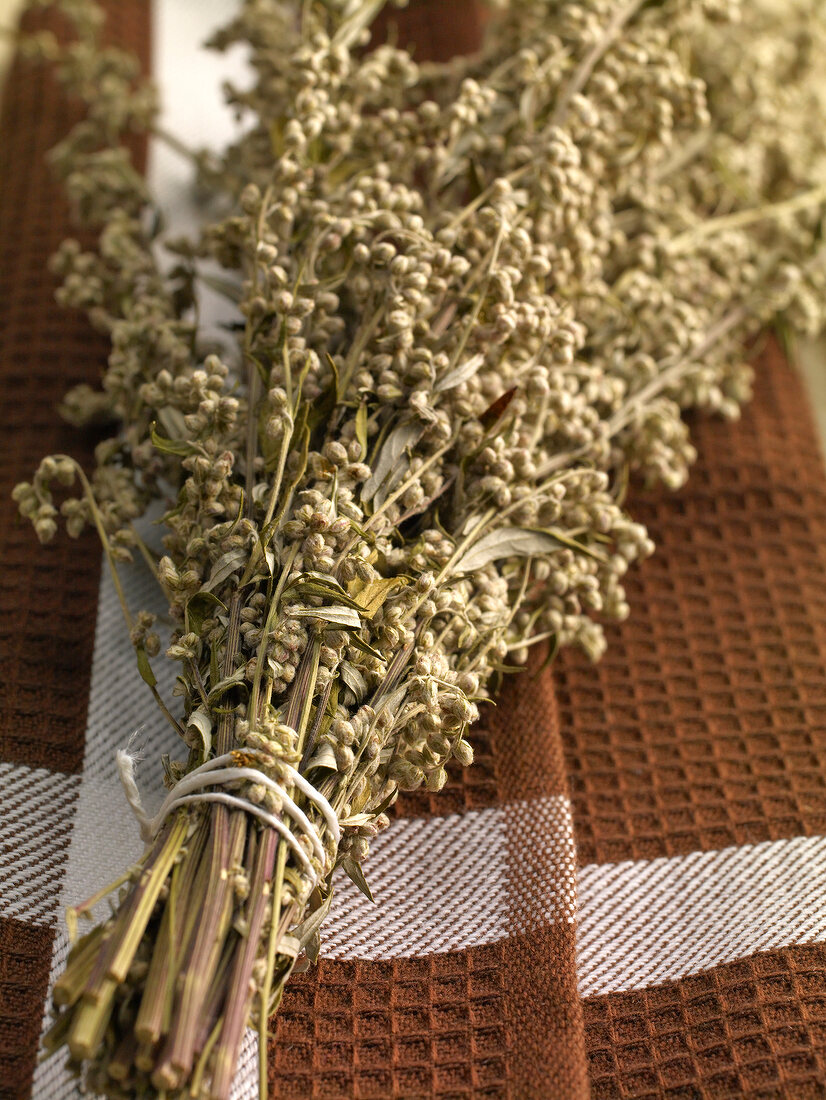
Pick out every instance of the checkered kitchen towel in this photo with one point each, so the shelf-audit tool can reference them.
(624, 896)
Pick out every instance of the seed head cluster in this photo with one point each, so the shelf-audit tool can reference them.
(472, 299)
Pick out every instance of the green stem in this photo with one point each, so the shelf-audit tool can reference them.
(583, 72)
(119, 965)
(225, 738)
(252, 709)
(236, 1007)
(279, 474)
(228, 833)
(770, 212)
(174, 143)
(266, 987)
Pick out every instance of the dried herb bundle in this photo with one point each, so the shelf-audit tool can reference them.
(472, 300)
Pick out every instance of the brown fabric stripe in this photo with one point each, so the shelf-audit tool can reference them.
(48, 596)
(704, 725)
(432, 29)
(448, 1025)
(25, 955)
(749, 1029)
(546, 1051)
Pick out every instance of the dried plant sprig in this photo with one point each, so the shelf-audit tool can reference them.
(471, 299)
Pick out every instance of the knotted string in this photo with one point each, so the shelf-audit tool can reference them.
(223, 770)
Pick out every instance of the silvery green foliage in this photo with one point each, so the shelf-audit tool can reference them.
(472, 299)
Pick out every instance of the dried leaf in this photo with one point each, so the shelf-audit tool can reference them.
(224, 567)
(475, 185)
(172, 421)
(400, 439)
(322, 579)
(374, 593)
(385, 803)
(309, 927)
(353, 679)
(289, 946)
(228, 288)
(553, 649)
(496, 409)
(317, 584)
(323, 757)
(574, 544)
(355, 821)
(364, 647)
(354, 872)
(322, 408)
(361, 429)
(338, 615)
(223, 686)
(470, 523)
(394, 700)
(202, 606)
(179, 447)
(396, 475)
(144, 667)
(269, 563)
(460, 374)
(507, 542)
(199, 730)
(312, 948)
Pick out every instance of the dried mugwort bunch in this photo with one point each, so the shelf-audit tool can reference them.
(472, 300)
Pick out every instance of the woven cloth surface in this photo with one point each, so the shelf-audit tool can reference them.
(696, 755)
(46, 599)
(623, 897)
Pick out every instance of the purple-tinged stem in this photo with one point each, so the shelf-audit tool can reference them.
(240, 982)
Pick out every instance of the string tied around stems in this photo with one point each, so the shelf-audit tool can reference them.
(230, 768)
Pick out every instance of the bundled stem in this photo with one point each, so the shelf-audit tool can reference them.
(471, 299)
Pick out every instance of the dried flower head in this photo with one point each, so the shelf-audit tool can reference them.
(472, 299)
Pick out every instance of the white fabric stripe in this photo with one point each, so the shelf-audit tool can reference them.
(543, 869)
(646, 922)
(36, 812)
(440, 884)
(106, 836)
(444, 883)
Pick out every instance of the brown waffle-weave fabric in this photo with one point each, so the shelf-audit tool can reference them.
(704, 728)
(705, 724)
(48, 597)
(692, 761)
(44, 350)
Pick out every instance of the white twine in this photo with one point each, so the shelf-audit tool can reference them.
(215, 773)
